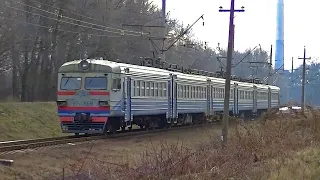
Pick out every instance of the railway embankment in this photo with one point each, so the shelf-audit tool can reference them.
(28, 120)
(278, 146)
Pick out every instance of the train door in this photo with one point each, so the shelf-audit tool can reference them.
(235, 100)
(127, 84)
(269, 98)
(254, 99)
(172, 113)
(128, 113)
(209, 98)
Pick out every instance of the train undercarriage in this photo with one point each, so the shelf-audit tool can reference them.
(115, 124)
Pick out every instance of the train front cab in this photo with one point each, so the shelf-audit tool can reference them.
(83, 99)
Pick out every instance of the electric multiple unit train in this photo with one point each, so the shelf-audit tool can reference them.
(99, 96)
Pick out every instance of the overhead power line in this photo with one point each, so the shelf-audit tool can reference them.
(24, 22)
(93, 24)
(122, 33)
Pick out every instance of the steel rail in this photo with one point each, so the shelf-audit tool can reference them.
(37, 143)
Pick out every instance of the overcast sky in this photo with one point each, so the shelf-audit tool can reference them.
(257, 25)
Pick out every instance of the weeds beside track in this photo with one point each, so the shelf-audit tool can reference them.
(9, 146)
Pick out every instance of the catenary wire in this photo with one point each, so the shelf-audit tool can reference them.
(122, 33)
(107, 27)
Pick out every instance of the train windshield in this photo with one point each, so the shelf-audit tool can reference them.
(70, 83)
(98, 83)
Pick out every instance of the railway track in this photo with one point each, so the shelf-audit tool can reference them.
(9, 146)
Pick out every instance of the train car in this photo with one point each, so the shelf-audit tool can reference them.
(99, 96)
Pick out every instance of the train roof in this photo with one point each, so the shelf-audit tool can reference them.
(117, 67)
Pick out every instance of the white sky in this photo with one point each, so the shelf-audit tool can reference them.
(257, 25)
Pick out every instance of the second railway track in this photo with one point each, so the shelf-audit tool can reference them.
(45, 142)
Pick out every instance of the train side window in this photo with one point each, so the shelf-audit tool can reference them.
(223, 92)
(160, 89)
(156, 89)
(134, 88)
(151, 89)
(217, 93)
(116, 84)
(194, 92)
(181, 90)
(201, 93)
(214, 93)
(197, 92)
(164, 85)
(187, 92)
(137, 88)
(231, 94)
(142, 88)
(147, 88)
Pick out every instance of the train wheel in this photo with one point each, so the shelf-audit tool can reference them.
(123, 128)
(76, 134)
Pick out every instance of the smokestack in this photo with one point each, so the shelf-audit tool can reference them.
(279, 54)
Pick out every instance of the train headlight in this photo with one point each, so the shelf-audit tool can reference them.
(103, 103)
(84, 65)
(62, 103)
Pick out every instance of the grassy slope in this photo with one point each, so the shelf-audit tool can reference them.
(28, 120)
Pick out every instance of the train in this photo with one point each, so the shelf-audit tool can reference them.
(103, 96)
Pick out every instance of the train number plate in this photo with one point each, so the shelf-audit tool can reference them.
(82, 103)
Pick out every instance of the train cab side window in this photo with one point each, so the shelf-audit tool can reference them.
(116, 84)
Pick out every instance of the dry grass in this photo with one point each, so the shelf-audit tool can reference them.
(272, 148)
(104, 156)
(28, 120)
(278, 146)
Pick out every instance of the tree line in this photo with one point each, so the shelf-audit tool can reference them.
(38, 36)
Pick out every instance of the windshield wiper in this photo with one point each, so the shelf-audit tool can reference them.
(66, 81)
(92, 79)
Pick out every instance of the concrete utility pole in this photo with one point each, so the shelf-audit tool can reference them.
(228, 71)
(303, 79)
(164, 24)
(270, 67)
(291, 94)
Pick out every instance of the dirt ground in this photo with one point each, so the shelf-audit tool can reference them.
(54, 163)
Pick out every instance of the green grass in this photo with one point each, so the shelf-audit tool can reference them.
(28, 120)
